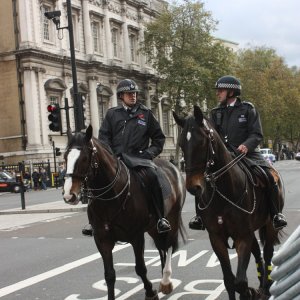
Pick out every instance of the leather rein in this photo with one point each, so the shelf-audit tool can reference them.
(212, 177)
(95, 165)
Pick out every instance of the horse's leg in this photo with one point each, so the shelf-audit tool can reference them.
(260, 266)
(105, 248)
(140, 267)
(268, 251)
(243, 249)
(220, 248)
(166, 286)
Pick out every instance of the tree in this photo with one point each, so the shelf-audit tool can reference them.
(187, 58)
(274, 89)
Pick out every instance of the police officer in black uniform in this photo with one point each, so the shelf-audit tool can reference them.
(128, 129)
(238, 123)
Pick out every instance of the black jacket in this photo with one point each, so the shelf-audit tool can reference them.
(239, 124)
(131, 133)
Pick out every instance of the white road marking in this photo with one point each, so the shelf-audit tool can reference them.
(54, 272)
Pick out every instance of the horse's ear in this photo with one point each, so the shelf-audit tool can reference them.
(89, 133)
(179, 120)
(69, 134)
(198, 115)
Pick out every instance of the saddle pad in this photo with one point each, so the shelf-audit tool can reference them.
(133, 162)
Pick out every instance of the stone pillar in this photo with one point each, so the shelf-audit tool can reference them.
(32, 108)
(113, 85)
(126, 49)
(160, 117)
(87, 28)
(26, 24)
(107, 29)
(94, 106)
(43, 109)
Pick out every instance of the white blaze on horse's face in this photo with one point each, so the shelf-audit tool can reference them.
(72, 158)
(188, 136)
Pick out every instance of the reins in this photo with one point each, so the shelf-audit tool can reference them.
(212, 177)
(104, 190)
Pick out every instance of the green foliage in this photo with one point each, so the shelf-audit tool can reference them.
(274, 88)
(181, 48)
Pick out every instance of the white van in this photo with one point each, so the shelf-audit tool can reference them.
(268, 154)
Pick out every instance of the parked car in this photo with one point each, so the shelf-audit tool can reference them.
(297, 156)
(268, 154)
(8, 183)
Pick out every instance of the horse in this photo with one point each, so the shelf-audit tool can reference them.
(233, 204)
(119, 208)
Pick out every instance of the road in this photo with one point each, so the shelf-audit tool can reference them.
(46, 257)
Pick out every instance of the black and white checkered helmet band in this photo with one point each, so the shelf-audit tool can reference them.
(221, 85)
(131, 87)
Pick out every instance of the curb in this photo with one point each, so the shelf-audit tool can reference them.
(39, 211)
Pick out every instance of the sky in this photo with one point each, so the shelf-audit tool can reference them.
(255, 23)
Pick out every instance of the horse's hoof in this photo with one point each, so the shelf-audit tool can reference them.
(166, 288)
(154, 297)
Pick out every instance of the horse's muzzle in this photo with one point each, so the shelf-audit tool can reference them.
(195, 191)
(71, 199)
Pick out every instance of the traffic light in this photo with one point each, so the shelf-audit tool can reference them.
(54, 117)
(57, 151)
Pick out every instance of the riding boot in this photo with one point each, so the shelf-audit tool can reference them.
(196, 222)
(278, 219)
(87, 230)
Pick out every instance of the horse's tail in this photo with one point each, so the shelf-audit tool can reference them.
(268, 232)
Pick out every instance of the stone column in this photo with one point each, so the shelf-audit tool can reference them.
(160, 117)
(109, 54)
(32, 108)
(26, 24)
(43, 109)
(87, 28)
(126, 50)
(94, 106)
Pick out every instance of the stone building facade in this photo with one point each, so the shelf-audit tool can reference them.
(36, 69)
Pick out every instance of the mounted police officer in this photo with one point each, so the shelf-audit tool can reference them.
(238, 124)
(128, 129)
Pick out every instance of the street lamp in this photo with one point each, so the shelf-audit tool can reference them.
(55, 17)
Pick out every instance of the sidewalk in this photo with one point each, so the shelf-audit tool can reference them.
(50, 207)
(16, 218)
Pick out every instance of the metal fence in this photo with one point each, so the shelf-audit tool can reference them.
(286, 274)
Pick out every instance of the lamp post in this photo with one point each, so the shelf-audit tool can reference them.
(55, 17)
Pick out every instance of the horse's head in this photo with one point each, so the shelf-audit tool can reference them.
(78, 160)
(196, 142)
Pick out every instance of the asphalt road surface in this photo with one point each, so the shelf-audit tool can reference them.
(44, 256)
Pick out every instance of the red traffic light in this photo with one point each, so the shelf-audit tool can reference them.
(52, 108)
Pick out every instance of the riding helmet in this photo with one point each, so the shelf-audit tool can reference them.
(127, 85)
(230, 83)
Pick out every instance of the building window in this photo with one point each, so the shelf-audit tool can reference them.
(96, 34)
(115, 39)
(75, 31)
(53, 99)
(166, 122)
(133, 47)
(47, 25)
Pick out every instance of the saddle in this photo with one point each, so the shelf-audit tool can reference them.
(255, 173)
(136, 163)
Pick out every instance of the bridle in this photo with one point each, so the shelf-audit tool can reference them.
(212, 177)
(95, 166)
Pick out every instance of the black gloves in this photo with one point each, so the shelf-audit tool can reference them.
(144, 155)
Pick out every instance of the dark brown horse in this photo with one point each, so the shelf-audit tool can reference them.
(232, 203)
(119, 208)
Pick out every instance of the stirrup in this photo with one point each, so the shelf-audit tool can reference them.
(279, 221)
(87, 230)
(196, 223)
(163, 225)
